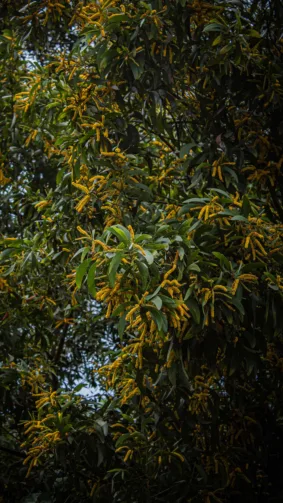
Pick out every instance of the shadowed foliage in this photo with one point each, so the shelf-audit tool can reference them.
(141, 255)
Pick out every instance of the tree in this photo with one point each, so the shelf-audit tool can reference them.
(141, 156)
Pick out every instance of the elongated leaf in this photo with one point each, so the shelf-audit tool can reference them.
(121, 233)
(142, 237)
(186, 149)
(254, 33)
(152, 295)
(80, 272)
(149, 257)
(122, 439)
(217, 40)
(223, 259)
(121, 325)
(159, 318)
(91, 279)
(6, 253)
(136, 69)
(214, 27)
(117, 18)
(144, 274)
(158, 302)
(194, 267)
(194, 309)
(114, 264)
(240, 218)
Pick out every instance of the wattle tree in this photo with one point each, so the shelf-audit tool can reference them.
(141, 277)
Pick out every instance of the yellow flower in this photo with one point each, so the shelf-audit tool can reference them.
(81, 187)
(41, 204)
(235, 286)
(127, 455)
(81, 204)
(82, 231)
(3, 179)
(178, 455)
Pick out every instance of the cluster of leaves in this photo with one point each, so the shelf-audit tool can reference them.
(142, 234)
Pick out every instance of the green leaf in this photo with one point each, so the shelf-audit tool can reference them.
(117, 18)
(60, 175)
(116, 470)
(91, 279)
(202, 473)
(251, 339)
(214, 27)
(121, 233)
(144, 274)
(194, 309)
(137, 70)
(80, 272)
(186, 149)
(246, 206)
(152, 295)
(159, 318)
(225, 49)
(149, 257)
(121, 440)
(217, 40)
(158, 246)
(254, 33)
(121, 325)
(84, 253)
(114, 264)
(223, 260)
(6, 253)
(142, 237)
(33, 260)
(27, 259)
(158, 302)
(162, 230)
(169, 302)
(197, 200)
(240, 218)
(238, 305)
(253, 266)
(172, 374)
(194, 267)
(222, 192)
(188, 293)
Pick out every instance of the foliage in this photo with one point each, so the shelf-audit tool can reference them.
(142, 249)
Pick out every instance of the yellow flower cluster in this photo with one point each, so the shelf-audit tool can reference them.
(142, 324)
(243, 278)
(199, 400)
(3, 179)
(209, 210)
(46, 9)
(25, 99)
(42, 432)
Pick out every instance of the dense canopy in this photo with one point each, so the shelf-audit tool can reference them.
(141, 266)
